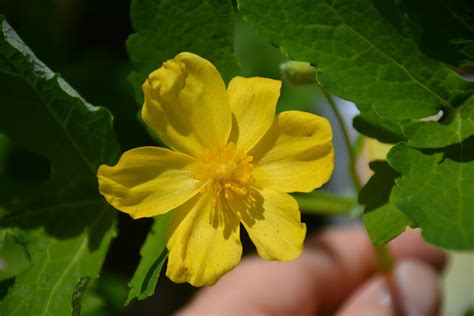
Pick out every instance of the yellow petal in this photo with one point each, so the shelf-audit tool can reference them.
(186, 104)
(203, 241)
(253, 102)
(272, 220)
(148, 181)
(296, 154)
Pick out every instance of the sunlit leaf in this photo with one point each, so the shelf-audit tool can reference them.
(436, 192)
(360, 56)
(366, 52)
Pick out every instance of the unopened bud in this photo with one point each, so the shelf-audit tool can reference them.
(299, 73)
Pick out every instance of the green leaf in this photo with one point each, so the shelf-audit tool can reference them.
(153, 256)
(382, 219)
(365, 52)
(14, 258)
(60, 139)
(444, 29)
(374, 126)
(165, 28)
(436, 192)
(436, 135)
(365, 57)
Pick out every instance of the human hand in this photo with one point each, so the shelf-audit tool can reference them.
(335, 273)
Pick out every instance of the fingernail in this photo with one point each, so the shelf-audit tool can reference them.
(417, 288)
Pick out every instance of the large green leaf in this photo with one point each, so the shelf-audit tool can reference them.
(165, 28)
(49, 190)
(364, 57)
(382, 218)
(365, 52)
(153, 256)
(436, 192)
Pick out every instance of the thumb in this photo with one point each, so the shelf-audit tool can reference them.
(416, 289)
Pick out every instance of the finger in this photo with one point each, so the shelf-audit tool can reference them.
(372, 299)
(351, 260)
(417, 288)
(329, 269)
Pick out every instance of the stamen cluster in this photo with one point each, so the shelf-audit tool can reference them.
(226, 169)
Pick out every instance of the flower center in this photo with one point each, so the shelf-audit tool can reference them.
(226, 169)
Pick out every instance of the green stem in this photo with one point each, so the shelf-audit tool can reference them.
(319, 202)
(352, 163)
(385, 260)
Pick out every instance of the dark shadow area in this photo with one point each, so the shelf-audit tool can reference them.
(443, 28)
(64, 206)
(124, 251)
(24, 165)
(5, 285)
(104, 220)
(377, 191)
(385, 133)
(462, 152)
(390, 10)
(153, 267)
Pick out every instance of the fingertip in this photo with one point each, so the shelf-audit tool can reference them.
(412, 290)
(371, 299)
(416, 286)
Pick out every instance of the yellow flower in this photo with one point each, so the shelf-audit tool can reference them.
(231, 161)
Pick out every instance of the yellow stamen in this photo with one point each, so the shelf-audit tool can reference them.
(226, 169)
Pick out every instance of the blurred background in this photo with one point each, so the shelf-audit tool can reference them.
(84, 41)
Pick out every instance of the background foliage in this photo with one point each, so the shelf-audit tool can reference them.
(396, 60)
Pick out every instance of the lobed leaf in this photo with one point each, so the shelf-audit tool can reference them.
(59, 140)
(365, 52)
(365, 57)
(436, 192)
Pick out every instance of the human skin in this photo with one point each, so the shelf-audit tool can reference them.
(336, 273)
